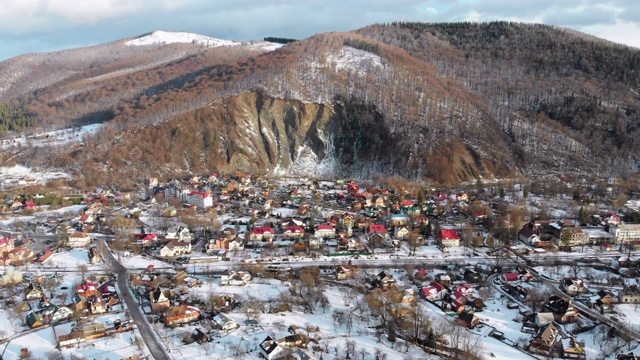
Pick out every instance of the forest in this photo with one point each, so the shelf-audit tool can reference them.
(457, 101)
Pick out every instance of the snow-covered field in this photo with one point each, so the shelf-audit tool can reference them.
(18, 175)
(170, 37)
(53, 138)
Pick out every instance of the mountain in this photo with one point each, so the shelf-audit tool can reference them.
(443, 102)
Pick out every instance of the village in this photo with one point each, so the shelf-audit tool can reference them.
(243, 266)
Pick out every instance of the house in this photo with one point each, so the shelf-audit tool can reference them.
(443, 279)
(435, 291)
(78, 240)
(449, 238)
(181, 314)
(345, 272)
(544, 318)
(383, 281)
(262, 233)
(200, 336)
(544, 341)
(181, 233)
(160, 299)
(399, 220)
(325, 231)
(467, 319)
(176, 247)
(97, 305)
(59, 313)
(86, 219)
(377, 229)
(33, 292)
(293, 232)
(46, 257)
(34, 320)
(88, 289)
(225, 323)
(79, 304)
(629, 296)
(562, 309)
(270, 349)
(472, 276)
(572, 348)
(149, 239)
(401, 232)
(574, 286)
(510, 276)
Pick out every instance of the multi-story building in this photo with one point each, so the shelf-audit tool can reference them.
(626, 233)
(199, 199)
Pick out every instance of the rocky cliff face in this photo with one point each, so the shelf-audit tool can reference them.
(263, 134)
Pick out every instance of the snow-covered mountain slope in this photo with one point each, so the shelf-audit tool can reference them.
(169, 37)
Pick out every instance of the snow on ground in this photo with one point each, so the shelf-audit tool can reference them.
(51, 138)
(71, 259)
(354, 60)
(265, 45)
(18, 175)
(331, 335)
(170, 37)
(65, 211)
(44, 341)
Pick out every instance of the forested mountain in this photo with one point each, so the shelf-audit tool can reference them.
(445, 102)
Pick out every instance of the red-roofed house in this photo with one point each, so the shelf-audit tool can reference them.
(377, 228)
(325, 230)
(433, 292)
(86, 218)
(78, 240)
(449, 238)
(46, 257)
(511, 276)
(88, 289)
(262, 233)
(149, 239)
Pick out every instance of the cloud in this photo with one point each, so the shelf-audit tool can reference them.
(46, 25)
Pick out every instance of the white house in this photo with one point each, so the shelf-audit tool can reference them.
(78, 239)
(225, 323)
(325, 231)
(181, 233)
(176, 247)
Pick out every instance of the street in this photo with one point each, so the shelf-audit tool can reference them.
(148, 335)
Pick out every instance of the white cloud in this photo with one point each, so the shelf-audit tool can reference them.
(45, 25)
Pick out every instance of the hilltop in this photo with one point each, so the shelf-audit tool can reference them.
(439, 102)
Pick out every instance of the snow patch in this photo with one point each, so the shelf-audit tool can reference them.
(51, 138)
(18, 176)
(354, 60)
(169, 37)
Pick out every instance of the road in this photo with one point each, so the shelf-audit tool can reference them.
(148, 335)
(585, 309)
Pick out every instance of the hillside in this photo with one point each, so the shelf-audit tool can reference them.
(444, 102)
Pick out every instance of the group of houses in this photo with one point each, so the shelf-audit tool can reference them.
(89, 298)
(565, 234)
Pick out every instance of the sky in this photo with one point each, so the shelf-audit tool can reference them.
(28, 26)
